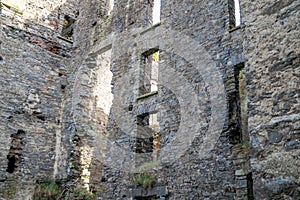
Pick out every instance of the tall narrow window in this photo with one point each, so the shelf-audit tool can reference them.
(152, 12)
(110, 6)
(15, 151)
(149, 71)
(148, 133)
(238, 107)
(234, 13)
(156, 11)
(242, 101)
(237, 12)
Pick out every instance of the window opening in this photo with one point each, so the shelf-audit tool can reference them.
(250, 186)
(237, 12)
(156, 11)
(68, 26)
(15, 151)
(242, 101)
(147, 133)
(149, 72)
(110, 6)
(153, 12)
(234, 13)
(238, 110)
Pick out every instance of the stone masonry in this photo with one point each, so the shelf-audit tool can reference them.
(111, 99)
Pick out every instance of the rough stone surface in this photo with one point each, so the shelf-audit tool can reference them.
(72, 110)
(272, 63)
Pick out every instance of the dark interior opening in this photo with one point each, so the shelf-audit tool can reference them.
(15, 151)
(11, 163)
(250, 186)
(68, 26)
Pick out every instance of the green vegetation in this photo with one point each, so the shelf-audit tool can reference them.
(243, 148)
(47, 190)
(146, 175)
(246, 144)
(242, 74)
(246, 147)
(155, 56)
(146, 180)
(83, 194)
(67, 29)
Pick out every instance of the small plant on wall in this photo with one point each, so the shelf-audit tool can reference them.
(246, 147)
(47, 190)
(83, 194)
(145, 177)
(146, 180)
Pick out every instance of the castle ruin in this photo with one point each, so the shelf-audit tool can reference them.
(150, 99)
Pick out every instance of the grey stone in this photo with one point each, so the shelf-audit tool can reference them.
(293, 144)
(275, 137)
(276, 185)
(80, 118)
(285, 118)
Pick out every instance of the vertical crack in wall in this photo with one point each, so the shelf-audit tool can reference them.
(15, 151)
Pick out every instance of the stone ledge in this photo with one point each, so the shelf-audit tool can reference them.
(146, 95)
(65, 39)
(234, 29)
(150, 28)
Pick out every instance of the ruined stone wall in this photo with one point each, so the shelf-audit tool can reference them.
(33, 84)
(271, 47)
(197, 95)
(43, 44)
(72, 107)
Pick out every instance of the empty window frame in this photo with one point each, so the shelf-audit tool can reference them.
(241, 84)
(149, 72)
(147, 133)
(110, 6)
(238, 108)
(15, 151)
(234, 13)
(68, 27)
(156, 11)
(152, 12)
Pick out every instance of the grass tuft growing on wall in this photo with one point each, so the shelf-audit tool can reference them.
(47, 190)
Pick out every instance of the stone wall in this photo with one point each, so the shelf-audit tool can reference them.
(73, 111)
(198, 109)
(271, 47)
(33, 84)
